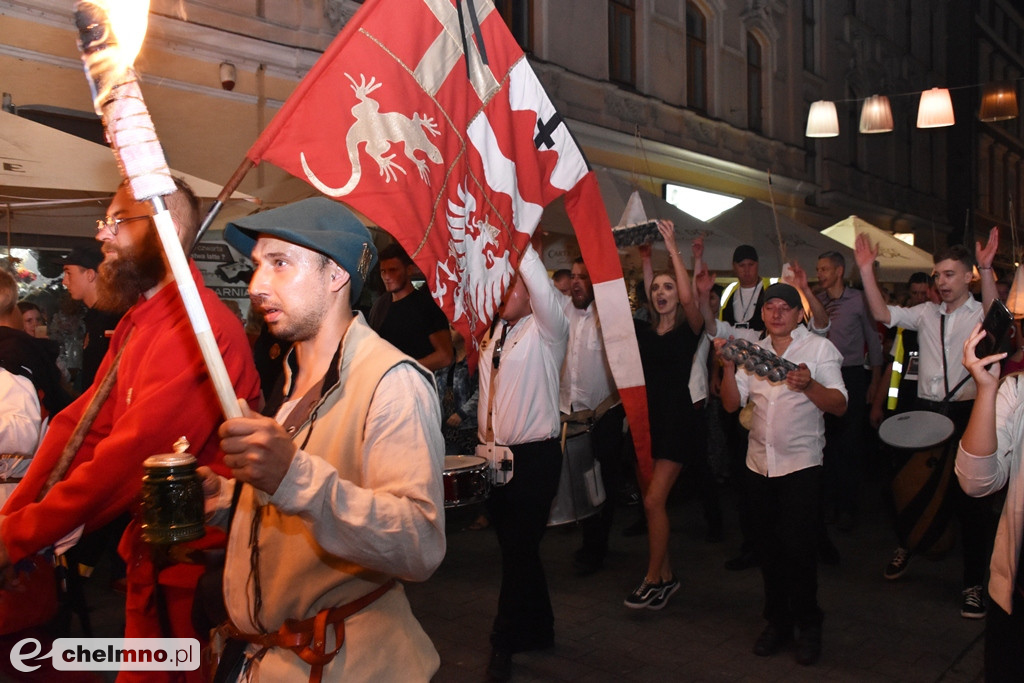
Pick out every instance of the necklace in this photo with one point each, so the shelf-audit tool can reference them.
(745, 306)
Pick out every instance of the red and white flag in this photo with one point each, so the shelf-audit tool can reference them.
(426, 116)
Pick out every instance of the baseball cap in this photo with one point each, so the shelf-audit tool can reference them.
(320, 224)
(743, 252)
(780, 290)
(89, 257)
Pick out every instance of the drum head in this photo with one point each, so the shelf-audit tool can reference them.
(916, 429)
(462, 462)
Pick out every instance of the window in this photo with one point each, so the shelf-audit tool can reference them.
(696, 59)
(622, 50)
(518, 16)
(755, 109)
(810, 32)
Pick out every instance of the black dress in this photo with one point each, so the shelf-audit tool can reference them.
(678, 432)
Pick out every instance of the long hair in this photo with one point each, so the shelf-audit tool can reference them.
(655, 316)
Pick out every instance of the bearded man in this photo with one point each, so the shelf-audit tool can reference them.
(162, 392)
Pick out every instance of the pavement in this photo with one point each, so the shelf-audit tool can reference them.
(874, 629)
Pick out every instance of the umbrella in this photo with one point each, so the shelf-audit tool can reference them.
(752, 222)
(897, 260)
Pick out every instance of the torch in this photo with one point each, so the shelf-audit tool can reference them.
(108, 58)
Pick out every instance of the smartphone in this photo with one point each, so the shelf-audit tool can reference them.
(998, 325)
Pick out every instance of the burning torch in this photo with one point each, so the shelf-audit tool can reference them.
(110, 34)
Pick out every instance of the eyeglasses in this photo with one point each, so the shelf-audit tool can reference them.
(111, 223)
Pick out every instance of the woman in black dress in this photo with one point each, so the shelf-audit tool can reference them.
(667, 345)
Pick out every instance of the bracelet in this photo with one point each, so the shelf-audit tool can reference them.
(980, 268)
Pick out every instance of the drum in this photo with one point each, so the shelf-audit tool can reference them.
(916, 429)
(920, 486)
(465, 480)
(580, 489)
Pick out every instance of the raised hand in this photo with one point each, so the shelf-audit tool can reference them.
(704, 280)
(698, 250)
(985, 371)
(985, 255)
(865, 252)
(668, 232)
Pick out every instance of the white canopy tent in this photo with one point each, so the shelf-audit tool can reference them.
(616, 191)
(54, 183)
(897, 260)
(753, 222)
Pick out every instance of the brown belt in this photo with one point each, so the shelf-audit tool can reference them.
(308, 638)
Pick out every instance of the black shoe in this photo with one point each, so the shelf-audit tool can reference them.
(585, 563)
(828, 553)
(808, 645)
(500, 666)
(637, 528)
(772, 639)
(745, 560)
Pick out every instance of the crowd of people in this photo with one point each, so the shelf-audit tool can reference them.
(328, 490)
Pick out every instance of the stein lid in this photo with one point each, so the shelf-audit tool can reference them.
(169, 460)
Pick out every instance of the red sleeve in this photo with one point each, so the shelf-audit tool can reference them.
(163, 393)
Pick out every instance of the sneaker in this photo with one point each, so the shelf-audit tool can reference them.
(972, 603)
(898, 564)
(667, 589)
(644, 594)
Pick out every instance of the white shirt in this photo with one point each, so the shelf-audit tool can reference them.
(586, 377)
(19, 414)
(788, 430)
(526, 384)
(925, 319)
(744, 302)
(986, 474)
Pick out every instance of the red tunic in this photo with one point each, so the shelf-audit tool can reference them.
(162, 393)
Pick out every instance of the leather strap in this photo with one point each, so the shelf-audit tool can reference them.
(308, 638)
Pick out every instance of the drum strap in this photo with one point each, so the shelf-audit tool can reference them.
(495, 364)
(942, 336)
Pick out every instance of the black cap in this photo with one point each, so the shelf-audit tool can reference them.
(780, 290)
(320, 224)
(89, 257)
(744, 252)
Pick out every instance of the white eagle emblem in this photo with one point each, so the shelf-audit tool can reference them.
(477, 265)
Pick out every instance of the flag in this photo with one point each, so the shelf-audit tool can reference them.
(426, 116)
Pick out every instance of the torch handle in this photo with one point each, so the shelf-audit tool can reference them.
(225, 193)
(194, 307)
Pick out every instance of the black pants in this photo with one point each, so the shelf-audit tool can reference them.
(519, 513)
(606, 442)
(1004, 644)
(845, 444)
(786, 515)
(978, 517)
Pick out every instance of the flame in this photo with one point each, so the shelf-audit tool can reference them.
(128, 22)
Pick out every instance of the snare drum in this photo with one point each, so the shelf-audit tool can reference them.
(465, 480)
(916, 430)
(580, 489)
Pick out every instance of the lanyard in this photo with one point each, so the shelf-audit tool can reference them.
(942, 335)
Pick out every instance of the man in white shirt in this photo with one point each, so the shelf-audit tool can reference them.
(20, 424)
(520, 363)
(784, 459)
(588, 394)
(942, 329)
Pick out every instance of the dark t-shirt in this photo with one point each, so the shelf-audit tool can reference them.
(95, 344)
(408, 322)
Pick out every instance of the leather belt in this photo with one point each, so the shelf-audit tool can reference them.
(308, 638)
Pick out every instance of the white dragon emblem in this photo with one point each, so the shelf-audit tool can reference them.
(379, 130)
(481, 271)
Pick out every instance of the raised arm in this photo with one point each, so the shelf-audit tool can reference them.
(819, 317)
(984, 256)
(703, 281)
(866, 253)
(686, 297)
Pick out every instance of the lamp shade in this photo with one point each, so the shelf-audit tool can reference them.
(998, 103)
(1015, 301)
(822, 121)
(935, 109)
(876, 115)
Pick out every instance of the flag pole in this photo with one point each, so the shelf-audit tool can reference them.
(118, 99)
(233, 182)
